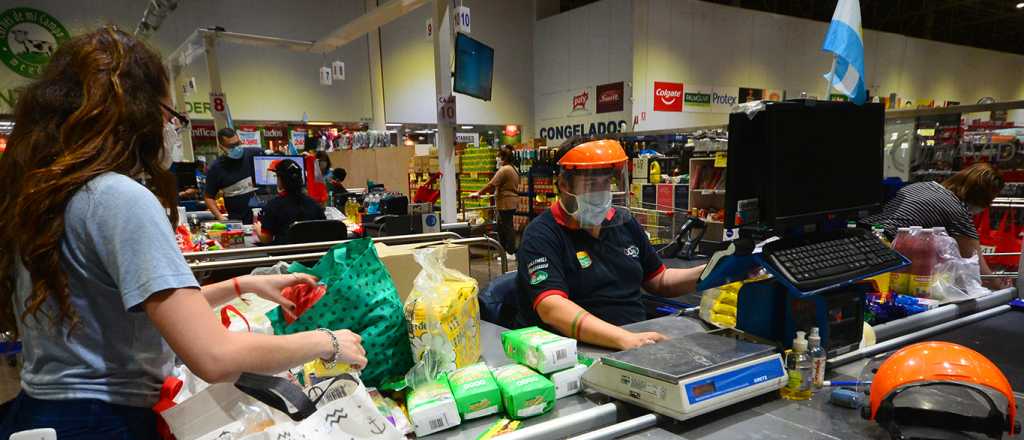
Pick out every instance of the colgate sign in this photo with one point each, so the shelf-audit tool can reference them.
(668, 97)
(579, 102)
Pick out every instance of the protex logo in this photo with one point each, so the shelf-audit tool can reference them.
(668, 97)
(723, 99)
(697, 99)
(579, 102)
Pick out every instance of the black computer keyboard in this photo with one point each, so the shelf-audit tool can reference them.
(819, 260)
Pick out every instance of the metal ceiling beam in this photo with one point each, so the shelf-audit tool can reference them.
(370, 21)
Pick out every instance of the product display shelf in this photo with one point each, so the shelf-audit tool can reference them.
(539, 182)
(476, 168)
(707, 195)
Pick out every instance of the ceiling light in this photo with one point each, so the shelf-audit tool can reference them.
(319, 123)
(1020, 5)
(392, 125)
(467, 127)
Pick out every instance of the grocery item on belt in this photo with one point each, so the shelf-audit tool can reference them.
(568, 382)
(475, 390)
(432, 408)
(524, 392)
(539, 349)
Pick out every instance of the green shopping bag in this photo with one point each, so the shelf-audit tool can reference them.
(362, 298)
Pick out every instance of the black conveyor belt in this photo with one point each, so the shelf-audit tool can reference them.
(999, 339)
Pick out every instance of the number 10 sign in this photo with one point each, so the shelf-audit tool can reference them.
(446, 110)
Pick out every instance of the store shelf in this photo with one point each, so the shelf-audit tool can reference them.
(705, 192)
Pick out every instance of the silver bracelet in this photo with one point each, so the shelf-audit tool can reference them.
(329, 364)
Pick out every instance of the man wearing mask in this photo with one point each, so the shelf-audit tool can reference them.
(582, 263)
(232, 173)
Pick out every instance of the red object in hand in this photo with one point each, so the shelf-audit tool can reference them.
(304, 296)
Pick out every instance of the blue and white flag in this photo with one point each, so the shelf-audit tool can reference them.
(845, 40)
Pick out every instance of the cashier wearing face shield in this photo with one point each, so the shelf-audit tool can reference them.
(583, 263)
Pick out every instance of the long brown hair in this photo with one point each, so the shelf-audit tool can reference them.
(976, 185)
(95, 109)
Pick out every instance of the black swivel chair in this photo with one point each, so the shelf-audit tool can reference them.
(312, 231)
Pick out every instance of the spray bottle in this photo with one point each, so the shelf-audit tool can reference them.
(817, 354)
(799, 370)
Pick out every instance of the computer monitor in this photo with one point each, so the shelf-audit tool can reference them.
(802, 162)
(262, 176)
(474, 67)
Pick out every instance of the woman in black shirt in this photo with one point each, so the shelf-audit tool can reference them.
(290, 206)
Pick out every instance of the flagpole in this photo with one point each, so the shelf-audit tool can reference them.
(831, 74)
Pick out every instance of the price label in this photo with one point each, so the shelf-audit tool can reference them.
(446, 110)
(720, 159)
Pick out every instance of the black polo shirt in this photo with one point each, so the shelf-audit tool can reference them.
(234, 176)
(282, 211)
(603, 275)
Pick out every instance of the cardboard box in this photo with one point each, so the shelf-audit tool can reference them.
(568, 382)
(475, 390)
(403, 267)
(539, 349)
(524, 392)
(432, 408)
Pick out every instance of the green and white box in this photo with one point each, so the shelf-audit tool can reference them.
(432, 408)
(539, 349)
(524, 392)
(568, 382)
(475, 390)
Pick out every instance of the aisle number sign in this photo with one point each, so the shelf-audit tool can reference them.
(446, 110)
(219, 110)
(462, 19)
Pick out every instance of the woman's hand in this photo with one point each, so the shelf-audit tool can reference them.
(350, 349)
(269, 287)
(630, 340)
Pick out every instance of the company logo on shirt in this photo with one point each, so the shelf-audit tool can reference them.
(538, 277)
(668, 97)
(633, 251)
(584, 259)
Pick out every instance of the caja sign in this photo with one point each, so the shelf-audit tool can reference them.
(668, 96)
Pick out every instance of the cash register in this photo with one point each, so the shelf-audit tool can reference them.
(797, 172)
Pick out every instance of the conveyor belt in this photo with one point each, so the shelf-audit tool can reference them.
(999, 339)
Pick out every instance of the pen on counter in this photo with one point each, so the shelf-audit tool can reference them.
(845, 383)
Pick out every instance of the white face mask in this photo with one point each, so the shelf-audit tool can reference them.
(172, 145)
(592, 207)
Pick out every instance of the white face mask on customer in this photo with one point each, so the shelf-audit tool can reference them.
(172, 144)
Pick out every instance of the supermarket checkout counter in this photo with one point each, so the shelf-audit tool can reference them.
(765, 416)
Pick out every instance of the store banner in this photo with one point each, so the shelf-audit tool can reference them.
(748, 94)
(723, 98)
(581, 102)
(668, 96)
(204, 133)
(610, 97)
(298, 141)
(250, 138)
(697, 98)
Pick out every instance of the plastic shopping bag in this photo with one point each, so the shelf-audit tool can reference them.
(361, 297)
(443, 317)
(954, 278)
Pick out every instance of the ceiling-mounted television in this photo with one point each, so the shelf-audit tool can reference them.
(474, 67)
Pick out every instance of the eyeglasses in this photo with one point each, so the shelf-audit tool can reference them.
(182, 119)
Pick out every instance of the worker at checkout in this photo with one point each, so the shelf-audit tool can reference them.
(232, 173)
(583, 262)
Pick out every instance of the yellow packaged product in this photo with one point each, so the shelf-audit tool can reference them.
(442, 312)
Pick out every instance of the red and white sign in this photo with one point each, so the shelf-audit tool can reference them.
(668, 97)
(579, 102)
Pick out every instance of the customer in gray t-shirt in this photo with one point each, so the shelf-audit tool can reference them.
(115, 258)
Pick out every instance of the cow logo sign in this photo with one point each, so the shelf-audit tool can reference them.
(28, 38)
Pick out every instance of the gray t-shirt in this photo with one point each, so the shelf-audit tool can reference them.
(118, 249)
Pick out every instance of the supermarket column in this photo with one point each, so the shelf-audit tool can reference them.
(445, 126)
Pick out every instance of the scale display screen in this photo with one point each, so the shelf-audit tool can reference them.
(702, 389)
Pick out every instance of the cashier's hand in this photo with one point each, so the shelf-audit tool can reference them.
(269, 287)
(630, 340)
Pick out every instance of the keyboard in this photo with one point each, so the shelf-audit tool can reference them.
(822, 259)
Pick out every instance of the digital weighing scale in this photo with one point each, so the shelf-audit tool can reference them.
(692, 373)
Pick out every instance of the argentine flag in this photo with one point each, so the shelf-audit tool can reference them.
(845, 40)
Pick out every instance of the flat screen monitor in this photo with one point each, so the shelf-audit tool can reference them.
(474, 67)
(263, 176)
(185, 173)
(801, 162)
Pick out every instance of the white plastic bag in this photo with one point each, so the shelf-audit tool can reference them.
(957, 279)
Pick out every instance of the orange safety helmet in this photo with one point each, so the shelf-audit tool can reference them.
(605, 153)
(933, 363)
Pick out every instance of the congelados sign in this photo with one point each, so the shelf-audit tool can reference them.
(574, 130)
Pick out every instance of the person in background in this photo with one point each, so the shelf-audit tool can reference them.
(323, 163)
(505, 186)
(231, 173)
(951, 205)
(91, 278)
(291, 204)
(583, 263)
